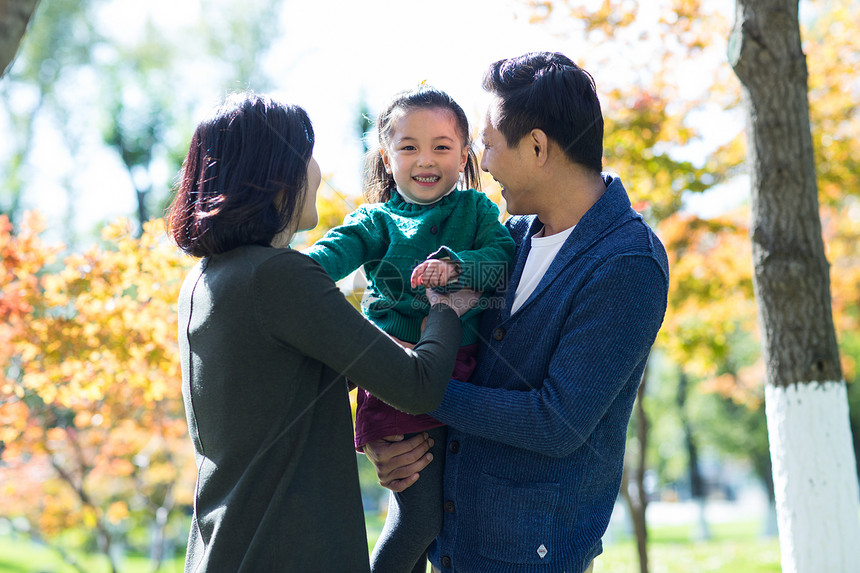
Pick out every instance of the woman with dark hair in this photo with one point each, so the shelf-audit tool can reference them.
(267, 342)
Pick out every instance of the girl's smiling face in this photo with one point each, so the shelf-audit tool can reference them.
(425, 153)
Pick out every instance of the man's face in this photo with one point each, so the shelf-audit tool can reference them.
(506, 164)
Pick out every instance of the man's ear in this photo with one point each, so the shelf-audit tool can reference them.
(539, 143)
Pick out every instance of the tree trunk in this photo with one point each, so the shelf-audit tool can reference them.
(634, 492)
(806, 402)
(697, 482)
(14, 17)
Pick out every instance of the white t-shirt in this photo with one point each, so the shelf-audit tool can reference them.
(543, 251)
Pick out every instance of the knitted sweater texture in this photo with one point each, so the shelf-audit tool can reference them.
(536, 440)
(389, 239)
(266, 342)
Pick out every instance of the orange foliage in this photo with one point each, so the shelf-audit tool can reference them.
(22, 257)
(648, 105)
(841, 230)
(90, 404)
(833, 58)
(710, 292)
(744, 388)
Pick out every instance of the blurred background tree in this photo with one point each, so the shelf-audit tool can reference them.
(93, 429)
(14, 17)
(121, 70)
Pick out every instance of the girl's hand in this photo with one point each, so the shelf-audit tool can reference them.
(434, 273)
(461, 301)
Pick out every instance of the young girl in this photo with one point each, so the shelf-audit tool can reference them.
(417, 231)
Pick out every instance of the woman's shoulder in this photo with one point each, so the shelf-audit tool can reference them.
(252, 260)
(285, 272)
(283, 258)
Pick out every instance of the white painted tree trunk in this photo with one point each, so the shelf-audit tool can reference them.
(815, 477)
(815, 480)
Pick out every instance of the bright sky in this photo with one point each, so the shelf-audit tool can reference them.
(376, 48)
(329, 56)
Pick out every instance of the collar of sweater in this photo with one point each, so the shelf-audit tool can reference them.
(397, 204)
(406, 198)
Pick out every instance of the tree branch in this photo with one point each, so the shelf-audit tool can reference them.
(14, 17)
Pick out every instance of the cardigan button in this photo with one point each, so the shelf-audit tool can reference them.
(454, 446)
(434, 229)
(449, 507)
(499, 333)
(446, 562)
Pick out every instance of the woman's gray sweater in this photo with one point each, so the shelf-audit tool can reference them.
(267, 343)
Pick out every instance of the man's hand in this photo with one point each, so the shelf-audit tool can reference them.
(398, 461)
(434, 273)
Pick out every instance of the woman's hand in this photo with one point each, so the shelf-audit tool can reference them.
(461, 301)
(398, 461)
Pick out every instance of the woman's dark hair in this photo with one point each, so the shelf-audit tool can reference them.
(547, 91)
(244, 178)
(378, 184)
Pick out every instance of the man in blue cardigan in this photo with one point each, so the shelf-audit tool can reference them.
(536, 439)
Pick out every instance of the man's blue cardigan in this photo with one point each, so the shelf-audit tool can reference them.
(536, 439)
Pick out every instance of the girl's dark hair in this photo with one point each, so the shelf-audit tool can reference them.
(244, 178)
(547, 91)
(377, 183)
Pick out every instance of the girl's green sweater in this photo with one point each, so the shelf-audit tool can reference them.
(389, 239)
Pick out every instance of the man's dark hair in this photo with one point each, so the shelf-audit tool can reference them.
(547, 91)
(244, 178)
